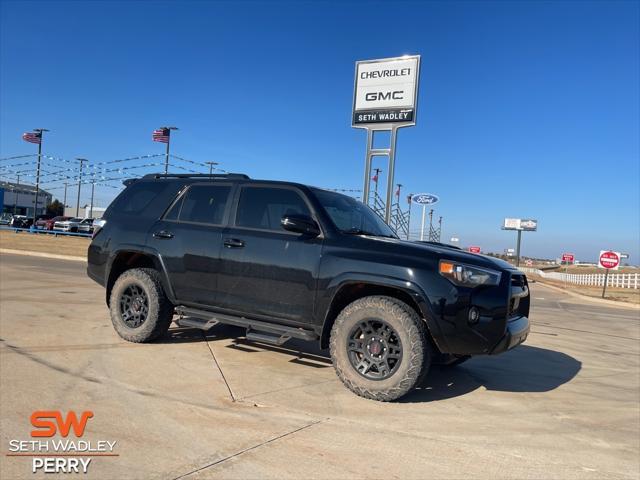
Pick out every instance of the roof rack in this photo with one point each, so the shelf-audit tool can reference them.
(197, 175)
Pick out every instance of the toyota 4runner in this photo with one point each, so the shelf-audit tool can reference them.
(285, 260)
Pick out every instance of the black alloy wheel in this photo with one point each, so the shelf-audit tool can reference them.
(134, 306)
(374, 349)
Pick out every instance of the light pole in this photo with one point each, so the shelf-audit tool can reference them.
(81, 160)
(211, 164)
(93, 186)
(15, 202)
(409, 216)
(40, 132)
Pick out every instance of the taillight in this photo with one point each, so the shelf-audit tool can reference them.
(98, 224)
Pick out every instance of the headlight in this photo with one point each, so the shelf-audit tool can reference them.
(468, 275)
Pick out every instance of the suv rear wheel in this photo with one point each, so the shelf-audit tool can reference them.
(379, 348)
(140, 311)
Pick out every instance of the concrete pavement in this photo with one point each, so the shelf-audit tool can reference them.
(563, 405)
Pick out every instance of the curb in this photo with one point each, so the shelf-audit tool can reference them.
(42, 255)
(602, 301)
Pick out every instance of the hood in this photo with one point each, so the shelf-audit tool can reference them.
(419, 249)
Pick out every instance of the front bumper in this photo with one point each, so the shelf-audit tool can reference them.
(517, 332)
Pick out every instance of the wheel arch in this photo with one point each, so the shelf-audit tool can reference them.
(348, 291)
(127, 258)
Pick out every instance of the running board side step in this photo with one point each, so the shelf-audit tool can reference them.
(257, 330)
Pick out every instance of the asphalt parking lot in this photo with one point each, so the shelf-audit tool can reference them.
(564, 405)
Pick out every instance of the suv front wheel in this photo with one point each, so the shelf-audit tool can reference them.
(140, 310)
(379, 348)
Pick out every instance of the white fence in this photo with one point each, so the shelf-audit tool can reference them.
(620, 280)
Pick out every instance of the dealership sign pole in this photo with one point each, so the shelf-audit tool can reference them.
(384, 99)
(520, 224)
(608, 260)
(424, 199)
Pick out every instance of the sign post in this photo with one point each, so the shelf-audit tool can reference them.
(567, 258)
(608, 260)
(520, 224)
(424, 199)
(385, 99)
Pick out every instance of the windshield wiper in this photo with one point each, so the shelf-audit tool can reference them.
(359, 231)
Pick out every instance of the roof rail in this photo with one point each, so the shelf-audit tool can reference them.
(197, 175)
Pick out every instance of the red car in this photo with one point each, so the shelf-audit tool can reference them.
(47, 223)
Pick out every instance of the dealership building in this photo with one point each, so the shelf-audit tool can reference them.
(20, 199)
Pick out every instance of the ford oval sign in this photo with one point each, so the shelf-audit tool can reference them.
(424, 199)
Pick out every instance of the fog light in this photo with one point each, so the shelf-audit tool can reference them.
(474, 316)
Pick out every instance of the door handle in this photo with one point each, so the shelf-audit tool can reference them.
(163, 234)
(233, 243)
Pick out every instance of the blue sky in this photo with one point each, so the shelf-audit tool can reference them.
(526, 109)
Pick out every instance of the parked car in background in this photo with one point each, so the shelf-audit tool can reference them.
(21, 221)
(47, 223)
(86, 225)
(42, 218)
(69, 225)
(5, 218)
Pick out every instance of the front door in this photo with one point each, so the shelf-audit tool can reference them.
(265, 269)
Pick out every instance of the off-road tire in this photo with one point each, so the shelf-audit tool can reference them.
(416, 349)
(160, 310)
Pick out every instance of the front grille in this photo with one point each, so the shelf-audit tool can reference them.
(519, 298)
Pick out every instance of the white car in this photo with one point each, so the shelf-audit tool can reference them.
(70, 225)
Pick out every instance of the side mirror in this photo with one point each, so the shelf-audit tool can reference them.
(300, 224)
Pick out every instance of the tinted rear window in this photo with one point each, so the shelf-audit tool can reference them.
(137, 197)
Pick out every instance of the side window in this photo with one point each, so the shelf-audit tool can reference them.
(205, 204)
(264, 207)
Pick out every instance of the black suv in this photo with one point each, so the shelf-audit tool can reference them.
(285, 260)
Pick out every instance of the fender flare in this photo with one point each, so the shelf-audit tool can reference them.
(156, 258)
(410, 288)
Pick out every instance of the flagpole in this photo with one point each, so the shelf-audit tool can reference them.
(35, 207)
(166, 155)
(166, 158)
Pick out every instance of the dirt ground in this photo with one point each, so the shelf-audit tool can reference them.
(627, 295)
(586, 270)
(37, 242)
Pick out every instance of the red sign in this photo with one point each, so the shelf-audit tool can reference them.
(568, 257)
(474, 249)
(609, 259)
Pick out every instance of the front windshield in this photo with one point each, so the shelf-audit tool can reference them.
(351, 216)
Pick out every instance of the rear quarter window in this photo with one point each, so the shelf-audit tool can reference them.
(135, 199)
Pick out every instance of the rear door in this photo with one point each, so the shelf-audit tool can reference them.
(189, 239)
(264, 269)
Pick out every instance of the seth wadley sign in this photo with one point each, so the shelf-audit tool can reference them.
(385, 91)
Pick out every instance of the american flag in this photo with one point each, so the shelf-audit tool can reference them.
(161, 135)
(32, 137)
